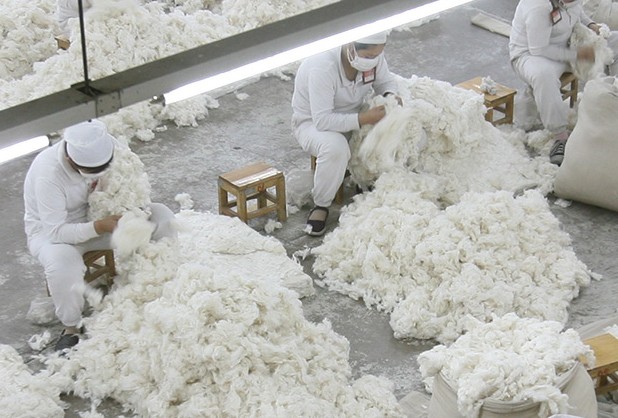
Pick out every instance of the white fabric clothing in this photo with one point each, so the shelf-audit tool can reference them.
(68, 9)
(540, 53)
(325, 107)
(58, 231)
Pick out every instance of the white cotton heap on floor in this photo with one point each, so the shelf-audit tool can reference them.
(24, 394)
(441, 131)
(487, 252)
(205, 328)
(508, 359)
(492, 253)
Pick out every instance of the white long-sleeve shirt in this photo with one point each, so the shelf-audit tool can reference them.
(324, 95)
(533, 32)
(56, 199)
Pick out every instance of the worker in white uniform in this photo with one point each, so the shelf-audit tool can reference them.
(539, 51)
(68, 9)
(329, 91)
(56, 191)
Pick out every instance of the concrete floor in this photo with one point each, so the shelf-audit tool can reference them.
(188, 160)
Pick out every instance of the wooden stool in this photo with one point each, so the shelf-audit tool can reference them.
(568, 87)
(604, 373)
(253, 182)
(340, 193)
(98, 263)
(503, 101)
(63, 43)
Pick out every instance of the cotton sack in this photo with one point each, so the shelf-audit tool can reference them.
(589, 172)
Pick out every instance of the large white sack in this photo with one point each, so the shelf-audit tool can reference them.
(576, 384)
(589, 172)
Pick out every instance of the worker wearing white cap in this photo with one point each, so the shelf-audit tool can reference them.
(56, 191)
(329, 91)
(540, 52)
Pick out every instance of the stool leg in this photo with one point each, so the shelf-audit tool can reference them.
(223, 200)
(489, 115)
(508, 110)
(574, 89)
(282, 213)
(111, 264)
(241, 206)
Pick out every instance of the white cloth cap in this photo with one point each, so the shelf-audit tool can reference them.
(375, 39)
(89, 144)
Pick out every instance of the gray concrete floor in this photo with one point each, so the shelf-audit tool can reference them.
(188, 160)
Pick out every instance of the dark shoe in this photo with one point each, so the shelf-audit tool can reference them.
(315, 227)
(556, 154)
(66, 341)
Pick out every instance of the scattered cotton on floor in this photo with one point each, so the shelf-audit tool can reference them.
(23, 394)
(508, 359)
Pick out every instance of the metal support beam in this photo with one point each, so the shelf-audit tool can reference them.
(108, 95)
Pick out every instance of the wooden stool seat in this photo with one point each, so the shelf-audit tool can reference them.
(253, 182)
(503, 101)
(568, 87)
(605, 371)
(340, 193)
(98, 263)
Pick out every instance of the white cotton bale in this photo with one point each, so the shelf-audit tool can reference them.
(589, 172)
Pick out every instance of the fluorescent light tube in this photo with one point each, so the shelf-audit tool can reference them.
(296, 54)
(23, 148)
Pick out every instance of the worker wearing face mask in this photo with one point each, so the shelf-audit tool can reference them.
(56, 191)
(329, 91)
(540, 52)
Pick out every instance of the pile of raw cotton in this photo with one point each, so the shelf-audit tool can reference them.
(122, 34)
(508, 359)
(204, 327)
(491, 253)
(23, 393)
(446, 231)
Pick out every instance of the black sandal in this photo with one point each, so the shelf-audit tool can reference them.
(316, 228)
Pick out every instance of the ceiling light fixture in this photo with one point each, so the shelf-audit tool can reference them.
(23, 148)
(296, 54)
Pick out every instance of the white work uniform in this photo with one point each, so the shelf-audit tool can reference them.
(58, 231)
(68, 9)
(325, 108)
(540, 53)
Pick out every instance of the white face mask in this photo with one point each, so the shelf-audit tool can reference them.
(92, 176)
(360, 63)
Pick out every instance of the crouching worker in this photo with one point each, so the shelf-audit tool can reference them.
(329, 91)
(56, 191)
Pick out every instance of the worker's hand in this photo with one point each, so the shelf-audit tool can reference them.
(585, 53)
(595, 27)
(371, 116)
(107, 224)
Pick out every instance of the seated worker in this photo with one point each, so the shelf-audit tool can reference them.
(56, 191)
(329, 91)
(539, 52)
(68, 9)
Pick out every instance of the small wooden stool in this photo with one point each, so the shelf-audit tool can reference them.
(63, 43)
(340, 193)
(604, 373)
(253, 182)
(568, 87)
(503, 101)
(98, 263)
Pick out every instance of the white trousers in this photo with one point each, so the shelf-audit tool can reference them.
(332, 152)
(68, 9)
(542, 76)
(64, 266)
